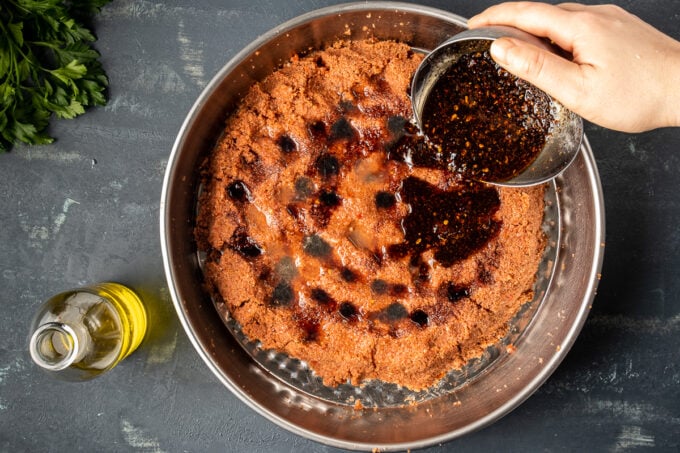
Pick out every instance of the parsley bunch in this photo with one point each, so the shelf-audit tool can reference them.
(47, 66)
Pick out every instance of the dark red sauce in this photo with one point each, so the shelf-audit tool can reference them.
(483, 122)
(454, 223)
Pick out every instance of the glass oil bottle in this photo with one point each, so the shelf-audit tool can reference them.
(82, 333)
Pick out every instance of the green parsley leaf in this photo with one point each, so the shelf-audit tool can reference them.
(48, 67)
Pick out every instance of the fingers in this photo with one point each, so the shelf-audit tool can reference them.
(540, 19)
(532, 14)
(558, 77)
(572, 6)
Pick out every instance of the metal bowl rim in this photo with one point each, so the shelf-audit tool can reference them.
(489, 418)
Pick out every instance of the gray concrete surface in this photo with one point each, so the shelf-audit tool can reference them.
(85, 209)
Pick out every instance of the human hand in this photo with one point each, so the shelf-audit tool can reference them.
(624, 74)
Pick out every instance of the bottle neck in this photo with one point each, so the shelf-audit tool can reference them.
(54, 346)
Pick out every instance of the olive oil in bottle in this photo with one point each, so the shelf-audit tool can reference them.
(82, 333)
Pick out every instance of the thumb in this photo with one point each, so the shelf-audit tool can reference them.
(551, 73)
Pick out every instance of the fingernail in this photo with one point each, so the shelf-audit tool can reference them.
(499, 50)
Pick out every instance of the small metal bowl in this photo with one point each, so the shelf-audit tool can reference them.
(541, 339)
(564, 141)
